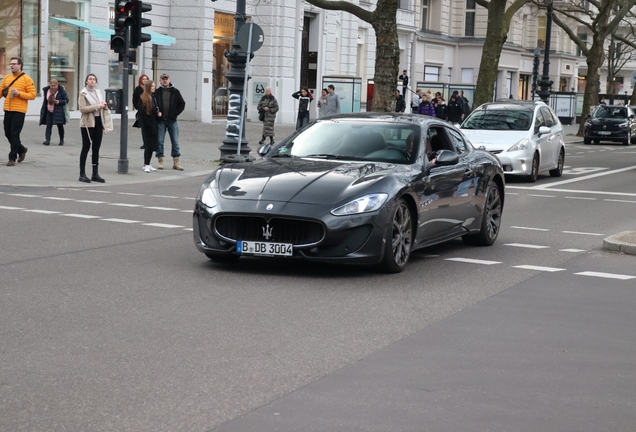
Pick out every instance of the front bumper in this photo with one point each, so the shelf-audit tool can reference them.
(516, 163)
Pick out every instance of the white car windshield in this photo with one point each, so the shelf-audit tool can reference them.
(499, 119)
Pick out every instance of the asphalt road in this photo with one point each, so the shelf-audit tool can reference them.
(111, 320)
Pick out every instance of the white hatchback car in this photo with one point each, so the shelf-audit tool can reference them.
(526, 136)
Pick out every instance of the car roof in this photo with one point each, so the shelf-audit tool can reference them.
(511, 105)
(382, 116)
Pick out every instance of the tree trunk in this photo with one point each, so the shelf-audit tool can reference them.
(495, 39)
(387, 58)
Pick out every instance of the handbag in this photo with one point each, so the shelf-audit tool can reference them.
(261, 115)
(67, 113)
(107, 121)
(5, 91)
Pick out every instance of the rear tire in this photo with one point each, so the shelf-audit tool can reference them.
(534, 173)
(490, 219)
(559, 169)
(399, 239)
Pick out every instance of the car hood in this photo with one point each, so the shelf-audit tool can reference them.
(602, 121)
(494, 140)
(297, 180)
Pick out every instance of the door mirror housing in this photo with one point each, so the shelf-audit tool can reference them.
(544, 130)
(264, 149)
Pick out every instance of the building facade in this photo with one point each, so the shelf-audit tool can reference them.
(440, 41)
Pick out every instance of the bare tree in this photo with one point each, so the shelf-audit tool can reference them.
(499, 19)
(387, 55)
(601, 20)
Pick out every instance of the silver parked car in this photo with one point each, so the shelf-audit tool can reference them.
(526, 136)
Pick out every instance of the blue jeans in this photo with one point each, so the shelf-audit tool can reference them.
(173, 131)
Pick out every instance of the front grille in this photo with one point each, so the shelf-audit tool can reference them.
(298, 232)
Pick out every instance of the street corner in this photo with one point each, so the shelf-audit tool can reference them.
(623, 242)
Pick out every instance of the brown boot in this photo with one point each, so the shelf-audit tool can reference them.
(175, 164)
(160, 163)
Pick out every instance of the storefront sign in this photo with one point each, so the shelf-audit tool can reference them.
(223, 25)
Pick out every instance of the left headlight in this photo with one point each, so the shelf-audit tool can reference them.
(367, 203)
(623, 125)
(521, 145)
(206, 196)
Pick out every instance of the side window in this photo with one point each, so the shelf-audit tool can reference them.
(549, 120)
(538, 121)
(458, 141)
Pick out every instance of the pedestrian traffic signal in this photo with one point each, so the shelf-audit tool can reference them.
(122, 14)
(138, 22)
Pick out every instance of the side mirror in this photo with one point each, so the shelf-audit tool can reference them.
(544, 130)
(264, 149)
(447, 157)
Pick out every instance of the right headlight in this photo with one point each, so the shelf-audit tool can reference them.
(363, 204)
(206, 196)
(521, 145)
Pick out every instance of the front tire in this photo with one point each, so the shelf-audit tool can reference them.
(587, 140)
(559, 169)
(491, 219)
(534, 173)
(399, 239)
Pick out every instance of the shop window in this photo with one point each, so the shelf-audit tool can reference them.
(19, 36)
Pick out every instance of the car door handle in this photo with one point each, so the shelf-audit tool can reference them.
(468, 172)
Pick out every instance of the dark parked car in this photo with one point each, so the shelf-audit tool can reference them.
(353, 188)
(610, 123)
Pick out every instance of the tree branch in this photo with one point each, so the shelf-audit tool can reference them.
(361, 13)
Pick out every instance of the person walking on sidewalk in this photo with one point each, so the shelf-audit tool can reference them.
(171, 105)
(18, 89)
(91, 103)
(333, 101)
(400, 103)
(304, 98)
(269, 106)
(149, 115)
(52, 111)
(322, 103)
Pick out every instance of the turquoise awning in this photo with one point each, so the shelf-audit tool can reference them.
(98, 32)
(103, 33)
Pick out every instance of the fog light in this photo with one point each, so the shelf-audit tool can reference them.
(507, 168)
(523, 165)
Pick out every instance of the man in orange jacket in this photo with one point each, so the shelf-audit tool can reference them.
(18, 89)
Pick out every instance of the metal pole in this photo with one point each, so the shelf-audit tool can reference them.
(546, 84)
(122, 163)
(244, 98)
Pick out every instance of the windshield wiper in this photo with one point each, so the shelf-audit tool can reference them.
(332, 156)
(281, 155)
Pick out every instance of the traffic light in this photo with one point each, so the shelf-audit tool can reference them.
(138, 22)
(122, 13)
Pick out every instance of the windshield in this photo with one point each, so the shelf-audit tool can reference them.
(499, 119)
(353, 140)
(609, 112)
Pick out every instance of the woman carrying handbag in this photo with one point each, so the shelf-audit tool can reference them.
(91, 104)
(148, 115)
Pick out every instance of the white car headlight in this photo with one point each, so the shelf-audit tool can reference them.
(363, 204)
(623, 125)
(521, 145)
(206, 196)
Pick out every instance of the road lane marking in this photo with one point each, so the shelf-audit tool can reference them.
(542, 196)
(130, 193)
(529, 246)
(82, 216)
(161, 225)
(95, 191)
(164, 196)
(606, 275)
(24, 195)
(473, 261)
(11, 208)
(529, 228)
(43, 211)
(90, 202)
(161, 208)
(572, 250)
(186, 211)
(581, 198)
(587, 177)
(539, 268)
(512, 193)
(128, 221)
(577, 191)
(58, 198)
(582, 233)
(428, 256)
(126, 205)
(621, 201)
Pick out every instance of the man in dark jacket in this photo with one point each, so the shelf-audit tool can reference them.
(400, 103)
(170, 104)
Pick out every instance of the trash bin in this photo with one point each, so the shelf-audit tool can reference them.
(114, 100)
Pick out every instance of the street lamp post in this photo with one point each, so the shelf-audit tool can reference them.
(545, 83)
(235, 130)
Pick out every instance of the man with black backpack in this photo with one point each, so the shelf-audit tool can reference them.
(18, 89)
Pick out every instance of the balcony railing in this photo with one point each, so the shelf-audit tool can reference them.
(405, 18)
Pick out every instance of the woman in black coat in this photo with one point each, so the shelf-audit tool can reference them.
(148, 114)
(52, 111)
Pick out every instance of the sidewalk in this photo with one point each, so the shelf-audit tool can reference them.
(59, 166)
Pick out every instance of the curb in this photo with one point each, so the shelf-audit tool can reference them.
(624, 242)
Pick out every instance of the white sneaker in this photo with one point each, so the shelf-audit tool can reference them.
(152, 168)
(147, 168)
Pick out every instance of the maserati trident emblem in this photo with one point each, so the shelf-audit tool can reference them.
(267, 232)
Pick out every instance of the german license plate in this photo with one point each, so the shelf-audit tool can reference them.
(264, 248)
(604, 133)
